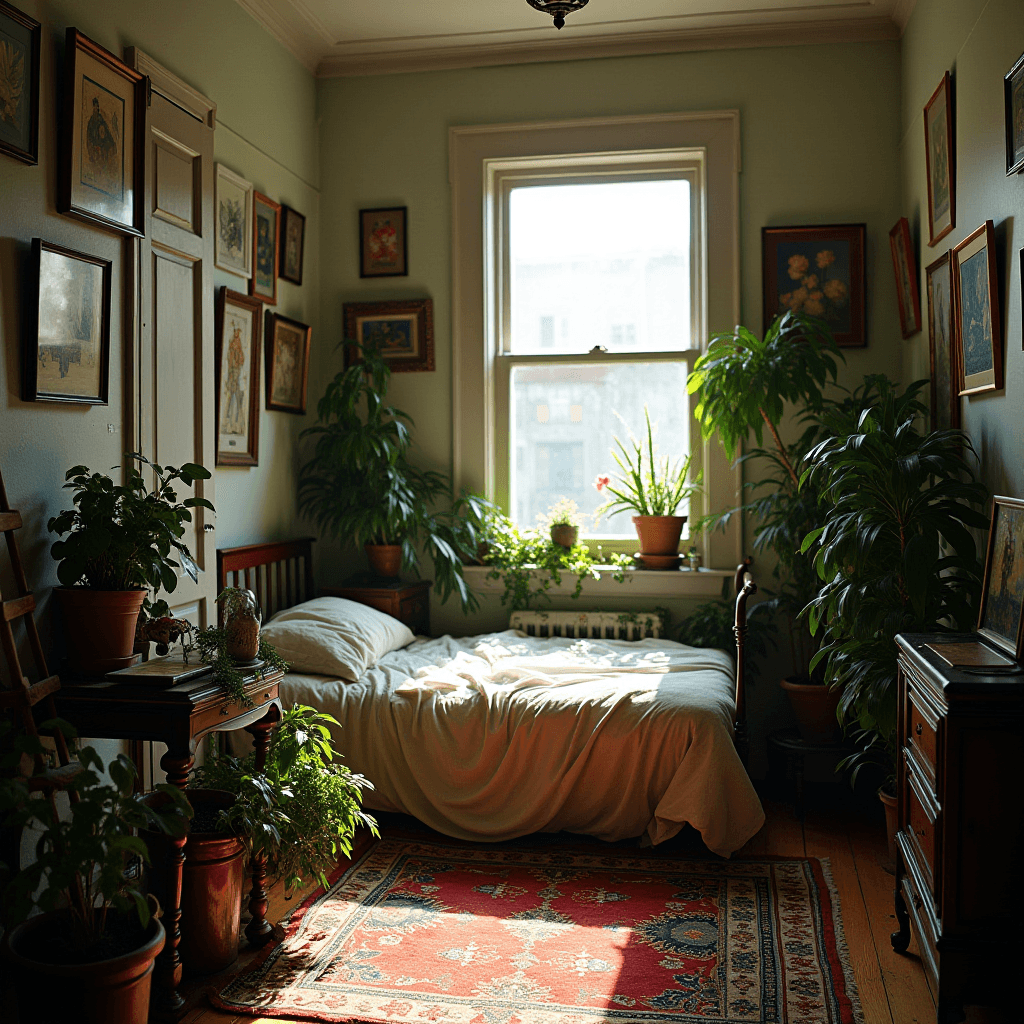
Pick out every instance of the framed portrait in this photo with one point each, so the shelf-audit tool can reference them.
(67, 349)
(383, 242)
(266, 219)
(938, 150)
(1013, 88)
(1000, 617)
(293, 242)
(104, 141)
(287, 363)
(819, 271)
(238, 378)
(945, 397)
(19, 84)
(402, 331)
(905, 267)
(233, 238)
(977, 339)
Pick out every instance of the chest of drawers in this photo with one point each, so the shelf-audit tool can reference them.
(960, 794)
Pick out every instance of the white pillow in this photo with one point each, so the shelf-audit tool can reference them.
(330, 636)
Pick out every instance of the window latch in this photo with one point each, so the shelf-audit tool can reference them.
(598, 350)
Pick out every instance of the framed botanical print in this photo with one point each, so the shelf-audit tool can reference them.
(266, 217)
(402, 331)
(945, 397)
(101, 164)
(293, 242)
(383, 242)
(238, 378)
(1001, 616)
(1013, 89)
(939, 155)
(287, 363)
(233, 238)
(67, 349)
(976, 334)
(905, 267)
(819, 271)
(19, 84)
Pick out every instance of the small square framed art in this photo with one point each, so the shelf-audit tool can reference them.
(401, 330)
(287, 363)
(293, 244)
(19, 84)
(1001, 616)
(238, 378)
(233, 240)
(1013, 87)
(939, 157)
(944, 372)
(905, 266)
(977, 338)
(266, 216)
(383, 242)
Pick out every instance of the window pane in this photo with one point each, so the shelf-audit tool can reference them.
(605, 264)
(564, 422)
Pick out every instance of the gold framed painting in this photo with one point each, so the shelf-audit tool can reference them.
(239, 321)
(1001, 615)
(905, 267)
(401, 330)
(67, 350)
(976, 330)
(939, 156)
(287, 363)
(383, 242)
(945, 397)
(19, 84)
(101, 166)
(233, 239)
(266, 218)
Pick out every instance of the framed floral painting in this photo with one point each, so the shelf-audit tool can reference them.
(1013, 87)
(977, 338)
(938, 150)
(945, 397)
(818, 271)
(402, 331)
(19, 84)
(266, 217)
(383, 242)
(238, 378)
(233, 237)
(1001, 616)
(287, 363)
(905, 267)
(293, 244)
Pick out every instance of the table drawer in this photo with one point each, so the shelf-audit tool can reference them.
(414, 612)
(921, 820)
(924, 927)
(922, 734)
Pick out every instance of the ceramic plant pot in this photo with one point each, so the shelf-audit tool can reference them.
(564, 534)
(815, 706)
(99, 626)
(385, 559)
(891, 822)
(659, 535)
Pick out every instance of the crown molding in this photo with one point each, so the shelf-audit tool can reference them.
(629, 44)
(901, 12)
(287, 31)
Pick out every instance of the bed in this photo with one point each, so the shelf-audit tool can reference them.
(500, 735)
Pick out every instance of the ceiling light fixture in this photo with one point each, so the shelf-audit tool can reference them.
(558, 8)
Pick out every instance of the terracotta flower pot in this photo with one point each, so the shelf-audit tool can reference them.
(815, 706)
(114, 991)
(891, 822)
(564, 534)
(100, 627)
(385, 559)
(659, 535)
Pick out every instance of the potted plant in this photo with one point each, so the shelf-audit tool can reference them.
(89, 955)
(654, 491)
(118, 541)
(360, 486)
(563, 521)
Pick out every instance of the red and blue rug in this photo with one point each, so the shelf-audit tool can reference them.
(430, 933)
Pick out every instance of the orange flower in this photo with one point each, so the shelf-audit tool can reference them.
(601, 482)
(825, 258)
(798, 266)
(836, 291)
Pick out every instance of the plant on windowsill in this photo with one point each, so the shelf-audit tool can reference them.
(563, 522)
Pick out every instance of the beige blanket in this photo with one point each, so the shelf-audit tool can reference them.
(497, 736)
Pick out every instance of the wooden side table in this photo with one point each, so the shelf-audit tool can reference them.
(407, 602)
(179, 716)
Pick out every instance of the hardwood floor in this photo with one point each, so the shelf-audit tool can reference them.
(892, 988)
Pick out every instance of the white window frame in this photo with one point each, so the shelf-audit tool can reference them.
(485, 163)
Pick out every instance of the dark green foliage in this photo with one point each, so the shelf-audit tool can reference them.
(212, 644)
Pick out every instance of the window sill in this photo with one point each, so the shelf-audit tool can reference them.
(700, 583)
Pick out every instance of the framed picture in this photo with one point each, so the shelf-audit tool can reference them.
(976, 336)
(238, 378)
(67, 349)
(905, 266)
(383, 242)
(233, 240)
(19, 84)
(287, 363)
(1013, 88)
(1000, 618)
(293, 241)
(945, 398)
(819, 271)
(938, 150)
(401, 330)
(266, 218)
(104, 141)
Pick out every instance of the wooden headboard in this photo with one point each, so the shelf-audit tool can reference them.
(279, 573)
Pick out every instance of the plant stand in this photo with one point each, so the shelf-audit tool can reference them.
(787, 751)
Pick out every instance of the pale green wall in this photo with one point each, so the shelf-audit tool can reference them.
(977, 41)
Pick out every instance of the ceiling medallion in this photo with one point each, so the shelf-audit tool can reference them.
(558, 8)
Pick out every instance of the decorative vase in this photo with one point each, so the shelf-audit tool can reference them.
(815, 706)
(564, 534)
(242, 629)
(385, 559)
(659, 535)
(100, 628)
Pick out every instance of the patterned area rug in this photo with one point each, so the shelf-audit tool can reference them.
(446, 934)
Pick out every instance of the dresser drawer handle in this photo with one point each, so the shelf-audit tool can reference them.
(918, 730)
(918, 902)
(266, 696)
(224, 711)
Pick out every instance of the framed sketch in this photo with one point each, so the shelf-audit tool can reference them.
(266, 218)
(293, 242)
(945, 397)
(819, 271)
(104, 140)
(383, 242)
(905, 267)
(1001, 616)
(287, 363)
(67, 349)
(233, 239)
(938, 150)
(238, 378)
(1013, 88)
(19, 84)
(402, 331)
(977, 339)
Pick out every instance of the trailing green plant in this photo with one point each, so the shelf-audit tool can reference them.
(302, 811)
(212, 644)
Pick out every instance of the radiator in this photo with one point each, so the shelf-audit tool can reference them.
(589, 625)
